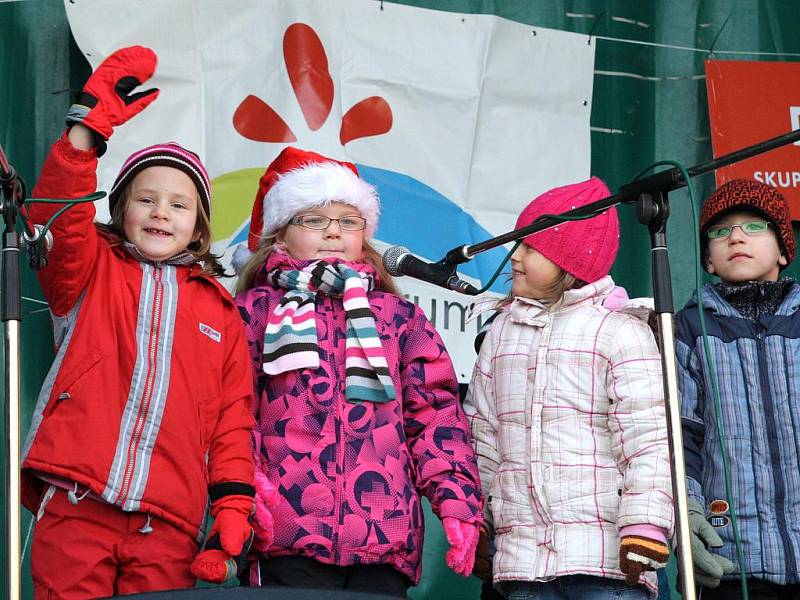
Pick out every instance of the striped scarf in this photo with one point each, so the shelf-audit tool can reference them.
(290, 338)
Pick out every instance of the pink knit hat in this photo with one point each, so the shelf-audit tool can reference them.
(585, 249)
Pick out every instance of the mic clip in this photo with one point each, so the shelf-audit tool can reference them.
(37, 247)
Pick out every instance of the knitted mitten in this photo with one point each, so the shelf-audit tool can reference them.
(638, 554)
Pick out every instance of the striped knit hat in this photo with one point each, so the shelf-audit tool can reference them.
(169, 154)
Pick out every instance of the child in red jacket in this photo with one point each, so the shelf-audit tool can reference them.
(144, 413)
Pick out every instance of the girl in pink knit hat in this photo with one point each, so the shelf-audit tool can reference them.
(567, 415)
(357, 410)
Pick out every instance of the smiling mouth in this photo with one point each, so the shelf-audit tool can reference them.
(157, 232)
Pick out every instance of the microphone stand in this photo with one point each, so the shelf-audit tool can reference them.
(12, 196)
(652, 209)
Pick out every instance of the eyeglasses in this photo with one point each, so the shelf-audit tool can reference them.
(318, 222)
(750, 228)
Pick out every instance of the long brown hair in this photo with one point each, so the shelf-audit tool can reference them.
(200, 249)
(369, 256)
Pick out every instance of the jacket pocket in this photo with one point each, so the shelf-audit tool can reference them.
(66, 385)
(201, 429)
(511, 504)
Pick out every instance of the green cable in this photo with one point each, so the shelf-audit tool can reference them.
(560, 218)
(712, 369)
(500, 268)
(90, 198)
(68, 203)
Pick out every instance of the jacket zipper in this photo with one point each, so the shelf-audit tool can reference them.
(148, 389)
(330, 318)
(774, 452)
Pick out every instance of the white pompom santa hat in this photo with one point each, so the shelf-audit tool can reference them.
(298, 180)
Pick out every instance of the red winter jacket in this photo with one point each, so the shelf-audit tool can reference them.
(146, 403)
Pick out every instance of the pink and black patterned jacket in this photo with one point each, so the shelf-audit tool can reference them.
(351, 475)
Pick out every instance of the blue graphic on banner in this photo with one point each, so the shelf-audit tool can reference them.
(418, 217)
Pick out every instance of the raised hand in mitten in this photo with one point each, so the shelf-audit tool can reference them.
(225, 552)
(463, 540)
(638, 554)
(708, 567)
(106, 100)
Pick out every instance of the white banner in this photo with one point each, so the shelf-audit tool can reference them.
(458, 119)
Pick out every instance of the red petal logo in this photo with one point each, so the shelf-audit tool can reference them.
(371, 116)
(307, 66)
(256, 120)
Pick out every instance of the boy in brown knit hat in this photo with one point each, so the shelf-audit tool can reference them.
(753, 326)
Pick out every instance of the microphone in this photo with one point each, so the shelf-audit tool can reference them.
(37, 248)
(399, 261)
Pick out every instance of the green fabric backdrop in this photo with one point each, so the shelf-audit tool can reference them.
(649, 104)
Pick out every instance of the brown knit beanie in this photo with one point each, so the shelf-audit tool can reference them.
(749, 195)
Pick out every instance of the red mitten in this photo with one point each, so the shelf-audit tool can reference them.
(638, 554)
(267, 496)
(225, 550)
(214, 566)
(463, 540)
(106, 100)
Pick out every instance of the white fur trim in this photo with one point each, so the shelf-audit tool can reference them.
(319, 184)
(240, 258)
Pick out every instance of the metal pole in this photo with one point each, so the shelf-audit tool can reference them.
(12, 193)
(671, 179)
(682, 528)
(653, 210)
(12, 387)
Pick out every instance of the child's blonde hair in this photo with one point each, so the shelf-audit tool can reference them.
(554, 293)
(370, 256)
(114, 230)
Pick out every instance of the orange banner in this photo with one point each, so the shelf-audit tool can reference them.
(749, 102)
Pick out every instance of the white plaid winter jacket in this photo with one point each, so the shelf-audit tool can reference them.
(567, 414)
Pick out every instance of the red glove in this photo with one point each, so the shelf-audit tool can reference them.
(463, 540)
(225, 550)
(638, 554)
(106, 100)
